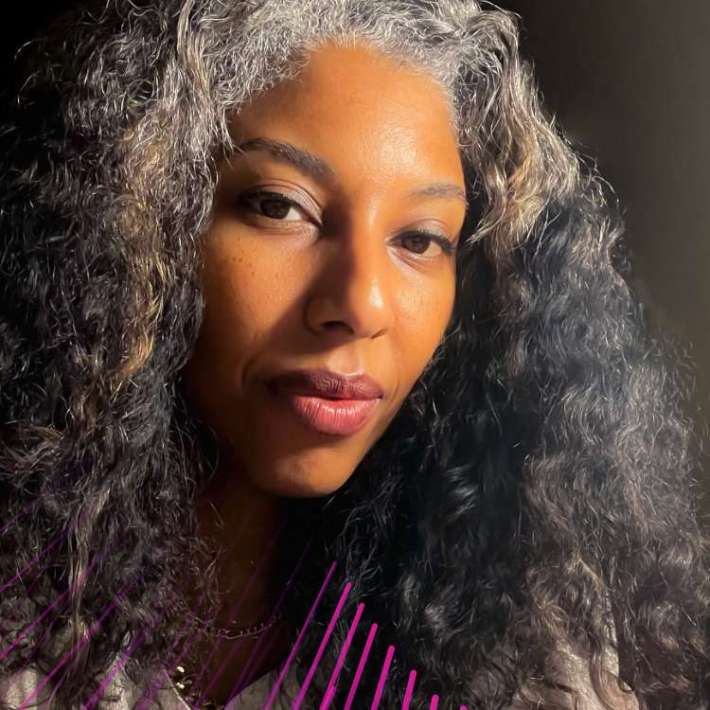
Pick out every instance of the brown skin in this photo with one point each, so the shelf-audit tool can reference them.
(337, 282)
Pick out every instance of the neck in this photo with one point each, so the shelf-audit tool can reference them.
(241, 523)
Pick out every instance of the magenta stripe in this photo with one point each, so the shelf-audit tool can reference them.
(10, 523)
(232, 613)
(330, 690)
(50, 545)
(361, 666)
(299, 639)
(258, 652)
(434, 702)
(8, 649)
(56, 540)
(76, 647)
(151, 690)
(321, 648)
(383, 677)
(148, 694)
(409, 692)
(101, 690)
(328, 697)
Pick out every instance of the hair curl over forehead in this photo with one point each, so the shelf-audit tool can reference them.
(535, 490)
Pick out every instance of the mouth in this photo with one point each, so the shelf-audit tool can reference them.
(327, 402)
(339, 417)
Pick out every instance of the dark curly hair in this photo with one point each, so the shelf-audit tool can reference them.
(534, 493)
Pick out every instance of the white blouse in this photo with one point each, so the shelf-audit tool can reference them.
(21, 686)
(570, 669)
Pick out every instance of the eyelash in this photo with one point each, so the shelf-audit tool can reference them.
(446, 245)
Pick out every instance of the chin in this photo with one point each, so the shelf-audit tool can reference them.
(300, 482)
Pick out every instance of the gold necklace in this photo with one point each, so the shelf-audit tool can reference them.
(253, 630)
(183, 681)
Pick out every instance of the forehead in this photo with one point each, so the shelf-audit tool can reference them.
(361, 111)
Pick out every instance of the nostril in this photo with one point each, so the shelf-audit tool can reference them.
(335, 324)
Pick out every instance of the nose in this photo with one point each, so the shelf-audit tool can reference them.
(351, 295)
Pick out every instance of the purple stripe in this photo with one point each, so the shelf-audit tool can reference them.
(8, 649)
(10, 523)
(328, 697)
(41, 554)
(148, 694)
(409, 692)
(299, 639)
(434, 702)
(76, 647)
(50, 545)
(117, 667)
(383, 677)
(321, 648)
(361, 666)
(330, 690)
(232, 613)
(258, 652)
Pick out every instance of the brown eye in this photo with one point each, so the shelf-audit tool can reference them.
(419, 242)
(272, 205)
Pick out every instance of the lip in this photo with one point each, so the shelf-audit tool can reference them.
(326, 401)
(328, 384)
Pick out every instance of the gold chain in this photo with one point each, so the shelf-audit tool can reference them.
(183, 681)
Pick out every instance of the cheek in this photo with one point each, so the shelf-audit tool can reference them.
(247, 295)
(424, 316)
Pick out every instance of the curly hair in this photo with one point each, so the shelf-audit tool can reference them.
(534, 492)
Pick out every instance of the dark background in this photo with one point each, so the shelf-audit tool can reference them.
(628, 82)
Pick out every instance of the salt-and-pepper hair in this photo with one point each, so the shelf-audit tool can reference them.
(534, 491)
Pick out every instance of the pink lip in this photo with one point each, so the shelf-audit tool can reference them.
(326, 401)
(326, 383)
(330, 416)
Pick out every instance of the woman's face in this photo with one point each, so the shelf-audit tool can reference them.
(313, 262)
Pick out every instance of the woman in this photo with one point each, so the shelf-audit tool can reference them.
(221, 217)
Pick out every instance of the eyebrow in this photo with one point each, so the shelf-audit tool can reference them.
(321, 171)
(301, 159)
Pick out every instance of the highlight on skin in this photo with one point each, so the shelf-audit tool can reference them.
(535, 490)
